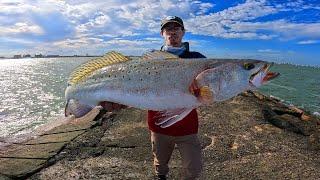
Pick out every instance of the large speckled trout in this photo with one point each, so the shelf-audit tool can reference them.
(161, 81)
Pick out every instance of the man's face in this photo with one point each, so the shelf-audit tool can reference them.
(172, 33)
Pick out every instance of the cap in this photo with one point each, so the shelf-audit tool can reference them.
(169, 19)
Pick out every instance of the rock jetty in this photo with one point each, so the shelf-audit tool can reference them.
(248, 137)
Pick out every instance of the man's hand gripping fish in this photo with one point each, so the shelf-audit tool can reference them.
(161, 81)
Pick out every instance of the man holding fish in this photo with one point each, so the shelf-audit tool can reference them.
(170, 84)
(183, 134)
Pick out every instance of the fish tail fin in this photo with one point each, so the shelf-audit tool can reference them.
(74, 107)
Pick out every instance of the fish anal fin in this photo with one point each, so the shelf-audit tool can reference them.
(89, 67)
(169, 117)
(158, 55)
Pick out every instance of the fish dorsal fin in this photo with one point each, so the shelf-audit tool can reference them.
(158, 55)
(87, 68)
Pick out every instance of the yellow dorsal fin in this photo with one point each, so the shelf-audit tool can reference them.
(158, 55)
(89, 67)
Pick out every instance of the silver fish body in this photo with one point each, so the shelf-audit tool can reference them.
(164, 85)
(156, 85)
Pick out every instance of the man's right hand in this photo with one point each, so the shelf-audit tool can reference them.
(194, 88)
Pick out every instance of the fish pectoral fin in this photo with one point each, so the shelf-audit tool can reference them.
(201, 90)
(205, 95)
(76, 108)
(172, 116)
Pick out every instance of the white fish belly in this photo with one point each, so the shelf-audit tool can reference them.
(145, 101)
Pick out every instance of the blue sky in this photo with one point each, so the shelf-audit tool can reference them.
(276, 30)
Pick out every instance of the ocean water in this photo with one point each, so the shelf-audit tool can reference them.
(297, 85)
(32, 91)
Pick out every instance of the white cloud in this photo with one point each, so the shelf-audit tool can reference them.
(77, 43)
(15, 7)
(286, 29)
(268, 51)
(220, 23)
(21, 27)
(97, 46)
(309, 42)
(153, 39)
(131, 18)
(239, 22)
(204, 7)
(100, 21)
(103, 23)
(17, 41)
(246, 35)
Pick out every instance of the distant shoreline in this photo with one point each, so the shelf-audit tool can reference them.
(47, 57)
(56, 57)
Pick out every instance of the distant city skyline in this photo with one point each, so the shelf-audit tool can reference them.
(18, 56)
(280, 31)
(40, 54)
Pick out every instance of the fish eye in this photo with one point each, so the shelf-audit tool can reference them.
(248, 66)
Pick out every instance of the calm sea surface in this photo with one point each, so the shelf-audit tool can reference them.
(32, 91)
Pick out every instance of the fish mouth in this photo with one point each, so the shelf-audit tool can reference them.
(262, 76)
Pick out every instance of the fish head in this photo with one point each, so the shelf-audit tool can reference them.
(249, 73)
(259, 73)
(229, 78)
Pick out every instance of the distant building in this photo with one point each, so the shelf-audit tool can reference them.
(38, 56)
(52, 55)
(17, 56)
(27, 56)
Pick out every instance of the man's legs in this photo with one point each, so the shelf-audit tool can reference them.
(162, 148)
(190, 149)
